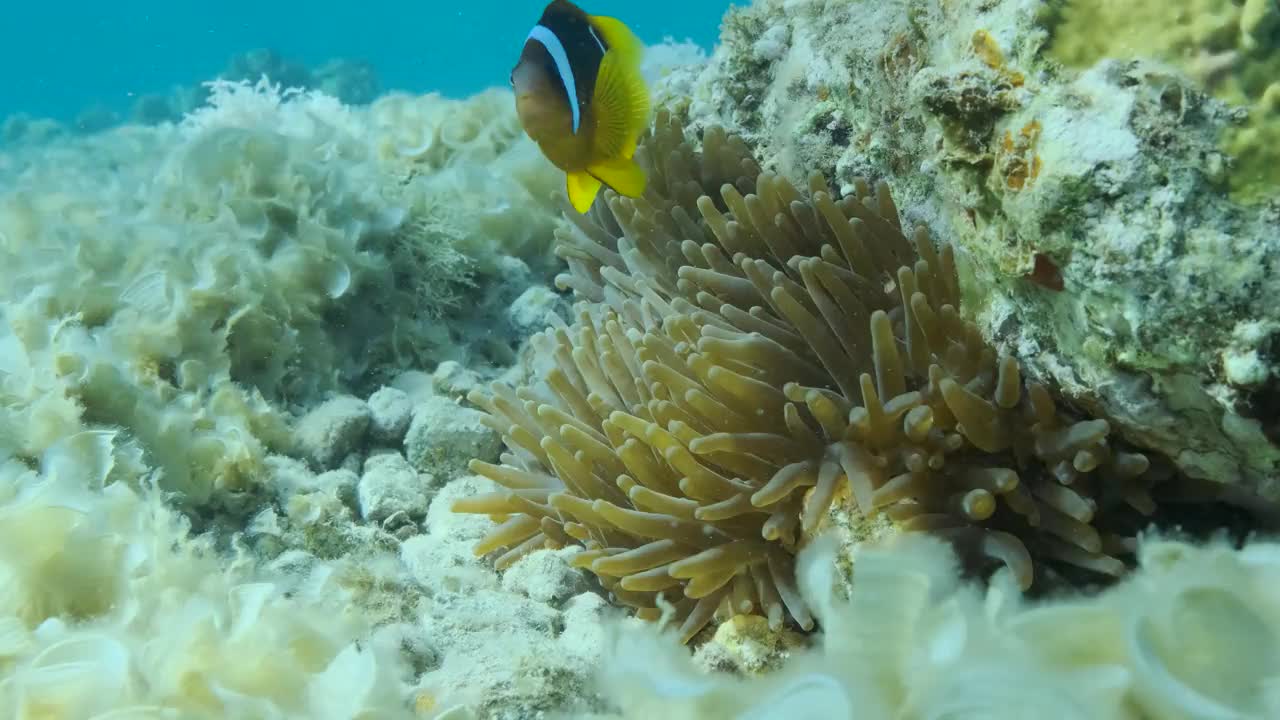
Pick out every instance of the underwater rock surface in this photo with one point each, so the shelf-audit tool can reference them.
(1090, 206)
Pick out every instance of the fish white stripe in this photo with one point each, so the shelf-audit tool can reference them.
(596, 37)
(552, 43)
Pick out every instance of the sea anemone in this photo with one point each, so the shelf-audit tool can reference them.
(745, 359)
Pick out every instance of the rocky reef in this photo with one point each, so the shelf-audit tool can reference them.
(1090, 202)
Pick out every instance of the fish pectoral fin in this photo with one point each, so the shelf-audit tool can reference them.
(623, 175)
(582, 188)
(620, 102)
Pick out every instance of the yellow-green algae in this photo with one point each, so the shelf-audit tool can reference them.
(1231, 47)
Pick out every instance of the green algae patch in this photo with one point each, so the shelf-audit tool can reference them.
(1230, 47)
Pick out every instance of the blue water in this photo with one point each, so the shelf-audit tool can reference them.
(57, 59)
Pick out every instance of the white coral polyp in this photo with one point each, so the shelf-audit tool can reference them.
(110, 610)
(1193, 634)
(1203, 636)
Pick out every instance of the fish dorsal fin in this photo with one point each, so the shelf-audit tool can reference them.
(620, 102)
(617, 36)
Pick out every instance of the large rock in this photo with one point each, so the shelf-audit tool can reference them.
(1091, 210)
(445, 436)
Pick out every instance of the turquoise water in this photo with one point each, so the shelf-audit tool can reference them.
(66, 57)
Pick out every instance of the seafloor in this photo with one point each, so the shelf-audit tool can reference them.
(936, 376)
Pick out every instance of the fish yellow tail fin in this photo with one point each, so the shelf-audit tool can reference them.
(621, 174)
(582, 189)
(621, 98)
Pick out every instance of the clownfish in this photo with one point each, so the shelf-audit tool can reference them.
(580, 96)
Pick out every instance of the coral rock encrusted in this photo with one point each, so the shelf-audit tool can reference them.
(747, 357)
(1116, 175)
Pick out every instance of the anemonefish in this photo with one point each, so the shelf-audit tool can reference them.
(580, 96)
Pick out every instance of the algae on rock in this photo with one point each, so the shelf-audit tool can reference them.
(1230, 47)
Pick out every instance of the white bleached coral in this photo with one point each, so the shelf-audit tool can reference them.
(1195, 633)
(110, 609)
(173, 300)
(189, 283)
